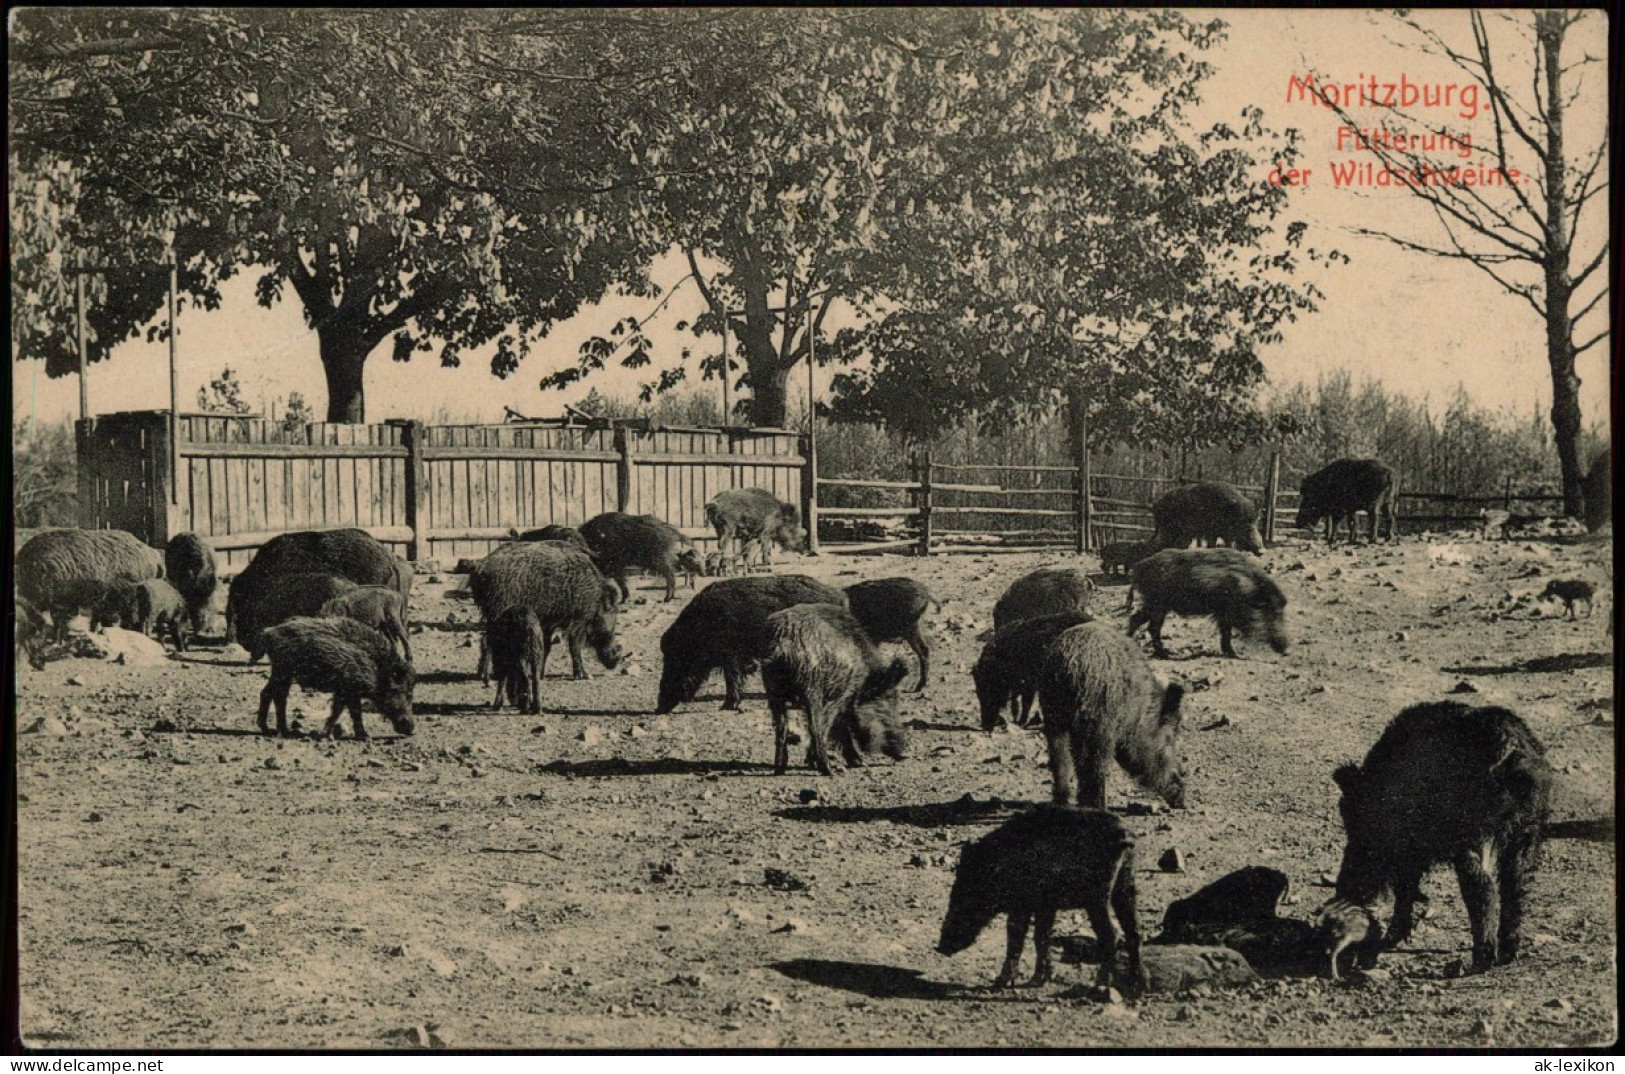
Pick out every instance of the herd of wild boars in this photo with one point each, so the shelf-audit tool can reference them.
(1445, 783)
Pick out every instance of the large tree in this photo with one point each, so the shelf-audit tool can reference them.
(1008, 198)
(1100, 250)
(434, 176)
(1532, 203)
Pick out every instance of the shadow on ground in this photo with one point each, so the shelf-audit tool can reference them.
(1591, 829)
(1562, 662)
(867, 979)
(929, 815)
(660, 766)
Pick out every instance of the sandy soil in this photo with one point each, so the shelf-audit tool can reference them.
(596, 877)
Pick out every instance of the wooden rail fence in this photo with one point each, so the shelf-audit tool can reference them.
(430, 491)
(447, 492)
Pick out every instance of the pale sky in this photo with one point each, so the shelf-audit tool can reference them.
(1419, 324)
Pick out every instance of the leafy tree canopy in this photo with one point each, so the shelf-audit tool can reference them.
(426, 175)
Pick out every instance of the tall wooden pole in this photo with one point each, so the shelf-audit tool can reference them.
(1272, 492)
(812, 444)
(84, 359)
(1080, 459)
(174, 391)
(727, 413)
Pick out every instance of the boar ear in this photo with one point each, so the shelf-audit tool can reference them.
(1171, 697)
(610, 598)
(1347, 777)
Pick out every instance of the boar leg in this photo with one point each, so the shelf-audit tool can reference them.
(1407, 896)
(819, 712)
(916, 641)
(733, 679)
(781, 733)
(1043, 929)
(1157, 618)
(1100, 919)
(1513, 869)
(1015, 938)
(1123, 898)
(1476, 869)
(276, 690)
(1091, 770)
(331, 728)
(572, 641)
(355, 719)
(1063, 773)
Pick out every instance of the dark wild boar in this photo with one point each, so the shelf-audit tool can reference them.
(1208, 511)
(1036, 864)
(620, 542)
(565, 590)
(755, 516)
(820, 660)
(277, 599)
(1101, 702)
(1446, 783)
(1569, 591)
(380, 607)
(514, 640)
(63, 572)
(1345, 487)
(341, 657)
(1007, 671)
(1219, 582)
(189, 566)
(725, 626)
(890, 609)
(1046, 591)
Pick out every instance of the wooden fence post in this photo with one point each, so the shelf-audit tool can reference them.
(413, 435)
(809, 491)
(623, 469)
(84, 434)
(1080, 459)
(160, 465)
(1272, 489)
(923, 467)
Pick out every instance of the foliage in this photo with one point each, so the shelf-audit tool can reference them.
(692, 408)
(422, 175)
(1465, 451)
(1008, 198)
(296, 413)
(224, 395)
(44, 474)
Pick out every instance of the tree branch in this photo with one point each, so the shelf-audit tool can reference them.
(1598, 297)
(1591, 266)
(1498, 96)
(1592, 342)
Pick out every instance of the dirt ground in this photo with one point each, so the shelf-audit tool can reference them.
(597, 877)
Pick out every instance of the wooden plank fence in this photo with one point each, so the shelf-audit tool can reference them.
(446, 492)
(439, 492)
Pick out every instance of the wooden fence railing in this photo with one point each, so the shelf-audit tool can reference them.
(432, 491)
(990, 508)
(455, 491)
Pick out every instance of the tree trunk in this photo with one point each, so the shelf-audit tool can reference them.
(1550, 28)
(768, 376)
(769, 391)
(344, 358)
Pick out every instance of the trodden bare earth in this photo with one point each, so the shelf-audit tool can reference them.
(598, 876)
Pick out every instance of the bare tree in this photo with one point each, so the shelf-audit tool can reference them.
(1514, 210)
